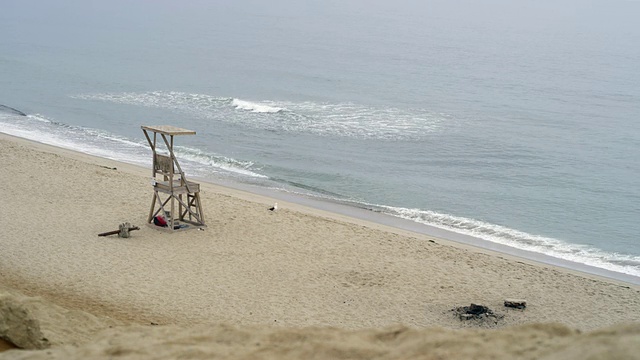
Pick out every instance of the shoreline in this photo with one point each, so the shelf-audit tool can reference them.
(389, 222)
(357, 215)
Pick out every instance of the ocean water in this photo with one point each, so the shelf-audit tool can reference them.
(511, 121)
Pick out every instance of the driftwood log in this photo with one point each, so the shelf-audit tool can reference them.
(515, 303)
(122, 232)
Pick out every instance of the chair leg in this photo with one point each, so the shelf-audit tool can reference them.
(199, 205)
(153, 206)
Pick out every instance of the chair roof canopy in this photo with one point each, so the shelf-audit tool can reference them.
(168, 130)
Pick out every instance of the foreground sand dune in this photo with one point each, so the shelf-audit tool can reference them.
(77, 335)
(298, 282)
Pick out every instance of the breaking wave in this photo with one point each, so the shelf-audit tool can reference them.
(323, 119)
(627, 264)
(254, 107)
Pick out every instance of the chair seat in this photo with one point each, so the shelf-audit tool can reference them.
(178, 187)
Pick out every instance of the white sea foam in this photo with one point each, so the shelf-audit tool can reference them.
(114, 138)
(218, 162)
(108, 145)
(584, 254)
(254, 107)
(59, 139)
(39, 117)
(322, 119)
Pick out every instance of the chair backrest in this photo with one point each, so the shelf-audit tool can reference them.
(164, 165)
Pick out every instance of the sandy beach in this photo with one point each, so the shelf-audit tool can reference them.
(295, 283)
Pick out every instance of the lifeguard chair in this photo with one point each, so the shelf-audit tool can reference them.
(171, 186)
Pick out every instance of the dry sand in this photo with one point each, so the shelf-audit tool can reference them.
(296, 283)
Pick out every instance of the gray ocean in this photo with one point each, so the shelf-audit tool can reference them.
(515, 121)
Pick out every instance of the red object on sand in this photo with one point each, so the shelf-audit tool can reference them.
(160, 221)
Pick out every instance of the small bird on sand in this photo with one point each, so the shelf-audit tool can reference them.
(274, 208)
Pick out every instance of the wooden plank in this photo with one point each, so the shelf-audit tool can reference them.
(515, 303)
(175, 161)
(199, 206)
(161, 205)
(153, 207)
(191, 212)
(168, 130)
(117, 231)
(164, 164)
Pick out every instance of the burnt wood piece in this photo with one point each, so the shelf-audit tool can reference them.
(515, 303)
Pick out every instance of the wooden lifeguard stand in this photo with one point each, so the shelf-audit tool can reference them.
(171, 186)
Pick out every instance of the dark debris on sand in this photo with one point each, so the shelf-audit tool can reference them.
(476, 312)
